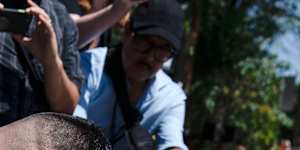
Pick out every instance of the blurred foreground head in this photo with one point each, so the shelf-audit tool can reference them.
(53, 131)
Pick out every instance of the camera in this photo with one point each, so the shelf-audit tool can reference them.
(13, 18)
(15, 4)
(15, 21)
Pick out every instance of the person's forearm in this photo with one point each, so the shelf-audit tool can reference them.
(92, 25)
(61, 92)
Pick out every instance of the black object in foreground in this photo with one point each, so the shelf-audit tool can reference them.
(15, 21)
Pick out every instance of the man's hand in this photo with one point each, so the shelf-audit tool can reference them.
(1, 6)
(42, 43)
(61, 92)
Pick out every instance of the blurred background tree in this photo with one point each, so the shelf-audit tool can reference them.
(233, 87)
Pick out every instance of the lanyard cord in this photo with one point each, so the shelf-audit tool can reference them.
(118, 136)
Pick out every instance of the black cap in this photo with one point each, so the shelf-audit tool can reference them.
(162, 18)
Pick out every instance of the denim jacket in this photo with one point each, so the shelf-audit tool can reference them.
(19, 96)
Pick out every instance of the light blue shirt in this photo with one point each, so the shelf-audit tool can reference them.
(162, 105)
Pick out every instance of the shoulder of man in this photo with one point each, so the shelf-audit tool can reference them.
(93, 58)
(92, 63)
(163, 84)
(61, 21)
(58, 13)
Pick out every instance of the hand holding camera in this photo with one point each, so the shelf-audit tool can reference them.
(42, 41)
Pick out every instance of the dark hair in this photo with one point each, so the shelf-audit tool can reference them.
(62, 132)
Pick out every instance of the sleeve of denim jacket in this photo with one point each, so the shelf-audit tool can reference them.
(92, 65)
(70, 53)
(170, 130)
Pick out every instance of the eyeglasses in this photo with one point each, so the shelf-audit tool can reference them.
(145, 46)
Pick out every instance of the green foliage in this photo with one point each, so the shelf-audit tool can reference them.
(247, 100)
(234, 80)
(255, 109)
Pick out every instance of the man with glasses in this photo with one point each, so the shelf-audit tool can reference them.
(154, 36)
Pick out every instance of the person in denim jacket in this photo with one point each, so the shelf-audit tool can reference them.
(53, 53)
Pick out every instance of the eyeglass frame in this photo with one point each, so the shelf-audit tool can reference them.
(154, 50)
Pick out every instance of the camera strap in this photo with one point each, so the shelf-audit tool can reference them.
(114, 69)
(138, 137)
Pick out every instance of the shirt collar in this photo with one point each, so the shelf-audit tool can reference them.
(155, 85)
(160, 81)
